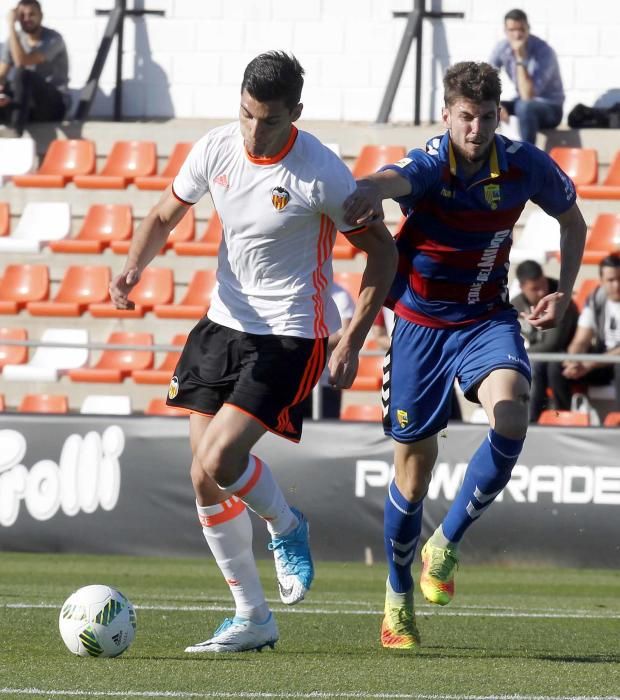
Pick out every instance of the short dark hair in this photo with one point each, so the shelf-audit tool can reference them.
(272, 76)
(33, 3)
(528, 270)
(516, 16)
(477, 82)
(612, 260)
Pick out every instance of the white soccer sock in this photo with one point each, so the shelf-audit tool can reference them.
(228, 531)
(257, 488)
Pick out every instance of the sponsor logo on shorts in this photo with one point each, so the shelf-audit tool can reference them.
(518, 360)
(402, 418)
(173, 389)
(279, 197)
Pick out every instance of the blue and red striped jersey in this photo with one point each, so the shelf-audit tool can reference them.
(454, 245)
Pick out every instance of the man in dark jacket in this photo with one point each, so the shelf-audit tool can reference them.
(545, 375)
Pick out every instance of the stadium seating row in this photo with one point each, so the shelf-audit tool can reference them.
(85, 288)
(581, 164)
(49, 362)
(128, 162)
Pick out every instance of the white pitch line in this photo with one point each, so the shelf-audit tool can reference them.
(313, 694)
(583, 615)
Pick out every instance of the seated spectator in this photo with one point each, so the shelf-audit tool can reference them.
(532, 65)
(331, 398)
(545, 375)
(598, 330)
(34, 70)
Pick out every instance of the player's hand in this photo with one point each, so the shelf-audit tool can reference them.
(364, 205)
(548, 312)
(121, 286)
(342, 365)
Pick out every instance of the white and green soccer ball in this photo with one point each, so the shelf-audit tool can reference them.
(97, 621)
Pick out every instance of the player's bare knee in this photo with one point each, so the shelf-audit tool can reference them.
(512, 417)
(413, 476)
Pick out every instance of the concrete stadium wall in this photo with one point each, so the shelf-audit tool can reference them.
(190, 63)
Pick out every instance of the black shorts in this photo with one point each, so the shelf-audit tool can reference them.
(266, 376)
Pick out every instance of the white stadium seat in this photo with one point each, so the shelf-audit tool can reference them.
(106, 405)
(40, 222)
(539, 240)
(17, 157)
(48, 364)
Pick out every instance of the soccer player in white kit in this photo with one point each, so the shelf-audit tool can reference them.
(250, 362)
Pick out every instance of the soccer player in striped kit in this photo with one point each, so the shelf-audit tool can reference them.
(462, 196)
(251, 361)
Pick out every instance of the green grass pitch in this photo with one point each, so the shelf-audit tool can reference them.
(518, 633)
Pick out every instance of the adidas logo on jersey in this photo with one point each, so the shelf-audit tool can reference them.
(221, 180)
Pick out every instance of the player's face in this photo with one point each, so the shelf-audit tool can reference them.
(472, 127)
(29, 18)
(535, 290)
(265, 126)
(516, 30)
(610, 279)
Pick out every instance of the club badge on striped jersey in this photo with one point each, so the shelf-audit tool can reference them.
(492, 195)
(173, 389)
(279, 197)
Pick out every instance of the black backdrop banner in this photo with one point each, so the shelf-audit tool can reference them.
(121, 485)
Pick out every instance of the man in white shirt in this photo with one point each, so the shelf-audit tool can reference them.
(598, 329)
(250, 363)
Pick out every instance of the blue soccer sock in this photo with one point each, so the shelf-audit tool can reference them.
(402, 523)
(488, 472)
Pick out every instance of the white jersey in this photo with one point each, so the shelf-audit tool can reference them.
(279, 220)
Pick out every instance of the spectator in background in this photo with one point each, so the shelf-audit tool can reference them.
(532, 65)
(598, 330)
(37, 88)
(545, 375)
(331, 397)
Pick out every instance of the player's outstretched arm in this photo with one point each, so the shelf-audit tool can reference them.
(146, 242)
(377, 279)
(551, 308)
(366, 203)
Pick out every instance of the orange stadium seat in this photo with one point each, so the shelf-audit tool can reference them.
(44, 403)
(603, 238)
(115, 365)
(183, 231)
(580, 164)
(612, 419)
(369, 374)
(609, 188)
(172, 167)
(2, 405)
(351, 281)
(372, 157)
(81, 286)
(126, 161)
(103, 224)
(343, 250)
(585, 289)
(159, 407)
(13, 354)
(163, 373)
(209, 244)
(64, 159)
(156, 286)
(196, 301)
(5, 218)
(553, 417)
(362, 412)
(21, 284)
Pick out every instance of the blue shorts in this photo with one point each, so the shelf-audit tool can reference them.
(422, 364)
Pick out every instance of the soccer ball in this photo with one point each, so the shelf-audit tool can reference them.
(97, 621)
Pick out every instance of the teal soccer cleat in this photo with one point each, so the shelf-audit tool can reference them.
(294, 568)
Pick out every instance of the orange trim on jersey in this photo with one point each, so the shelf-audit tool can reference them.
(325, 244)
(231, 508)
(270, 160)
(180, 199)
(258, 470)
